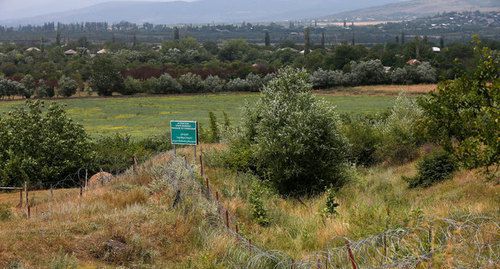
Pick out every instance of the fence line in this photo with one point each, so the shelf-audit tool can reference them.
(395, 248)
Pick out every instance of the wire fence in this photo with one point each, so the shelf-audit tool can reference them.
(469, 241)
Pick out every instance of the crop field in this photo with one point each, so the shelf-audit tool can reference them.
(150, 115)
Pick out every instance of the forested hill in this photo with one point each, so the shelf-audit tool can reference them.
(417, 8)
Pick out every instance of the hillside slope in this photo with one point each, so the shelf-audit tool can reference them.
(204, 11)
(132, 222)
(417, 8)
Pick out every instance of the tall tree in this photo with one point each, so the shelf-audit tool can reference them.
(267, 39)
(323, 40)
(177, 35)
(307, 40)
(402, 38)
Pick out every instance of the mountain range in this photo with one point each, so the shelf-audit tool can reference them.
(416, 8)
(234, 11)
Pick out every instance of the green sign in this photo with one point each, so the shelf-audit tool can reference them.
(184, 132)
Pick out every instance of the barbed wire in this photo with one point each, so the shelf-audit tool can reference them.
(469, 241)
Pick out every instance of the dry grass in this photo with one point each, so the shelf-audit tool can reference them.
(135, 211)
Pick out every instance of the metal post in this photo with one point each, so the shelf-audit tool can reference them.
(351, 256)
(195, 154)
(227, 219)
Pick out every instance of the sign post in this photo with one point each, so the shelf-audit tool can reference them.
(184, 133)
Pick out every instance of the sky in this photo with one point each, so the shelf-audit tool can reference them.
(14, 9)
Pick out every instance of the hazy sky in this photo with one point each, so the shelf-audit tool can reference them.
(11, 9)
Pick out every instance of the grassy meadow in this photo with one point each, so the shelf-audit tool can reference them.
(145, 116)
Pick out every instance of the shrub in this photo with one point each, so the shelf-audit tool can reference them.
(115, 153)
(164, 84)
(426, 73)
(255, 82)
(331, 205)
(433, 168)
(399, 76)
(293, 138)
(191, 83)
(40, 144)
(399, 132)
(67, 86)
(259, 212)
(238, 85)
(369, 72)
(323, 79)
(131, 86)
(29, 85)
(462, 115)
(214, 128)
(11, 88)
(214, 84)
(363, 140)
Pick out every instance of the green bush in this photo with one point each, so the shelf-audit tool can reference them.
(400, 133)
(259, 212)
(433, 168)
(131, 86)
(191, 83)
(67, 86)
(164, 84)
(291, 139)
(363, 140)
(331, 205)
(40, 145)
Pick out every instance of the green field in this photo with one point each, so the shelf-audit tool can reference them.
(144, 116)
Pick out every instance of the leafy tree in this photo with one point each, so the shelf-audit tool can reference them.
(462, 114)
(67, 86)
(293, 137)
(41, 146)
(267, 40)
(307, 40)
(105, 76)
(29, 84)
(233, 50)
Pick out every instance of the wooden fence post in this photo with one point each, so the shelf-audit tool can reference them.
(351, 256)
(202, 172)
(21, 198)
(81, 190)
(27, 192)
(29, 211)
(227, 219)
(134, 167)
(208, 186)
(51, 192)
